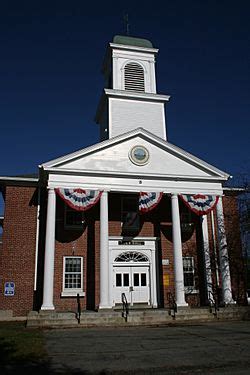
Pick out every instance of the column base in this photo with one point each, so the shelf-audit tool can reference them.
(182, 304)
(232, 302)
(48, 307)
(105, 307)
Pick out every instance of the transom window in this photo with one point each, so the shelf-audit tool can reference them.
(132, 256)
(72, 275)
(134, 77)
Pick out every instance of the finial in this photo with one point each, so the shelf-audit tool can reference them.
(125, 18)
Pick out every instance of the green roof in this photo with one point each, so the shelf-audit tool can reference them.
(130, 41)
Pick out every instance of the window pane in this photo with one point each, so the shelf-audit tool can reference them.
(189, 279)
(143, 279)
(118, 279)
(73, 217)
(136, 279)
(73, 265)
(125, 279)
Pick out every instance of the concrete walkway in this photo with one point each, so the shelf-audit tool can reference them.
(209, 348)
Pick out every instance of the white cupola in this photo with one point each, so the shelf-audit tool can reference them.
(130, 100)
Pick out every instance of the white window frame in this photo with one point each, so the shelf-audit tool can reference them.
(189, 289)
(72, 292)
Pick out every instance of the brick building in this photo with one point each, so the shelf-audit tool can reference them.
(132, 214)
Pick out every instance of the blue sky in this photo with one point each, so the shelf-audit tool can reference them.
(51, 82)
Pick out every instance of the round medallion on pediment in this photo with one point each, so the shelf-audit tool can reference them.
(139, 155)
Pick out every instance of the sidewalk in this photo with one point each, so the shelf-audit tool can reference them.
(208, 348)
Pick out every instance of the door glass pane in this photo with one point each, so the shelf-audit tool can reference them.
(143, 279)
(125, 279)
(118, 279)
(136, 279)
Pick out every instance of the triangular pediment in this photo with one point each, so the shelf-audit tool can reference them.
(114, 157)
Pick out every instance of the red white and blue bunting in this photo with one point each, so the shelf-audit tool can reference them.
(199, 203)
(148, 201)
(78, 199)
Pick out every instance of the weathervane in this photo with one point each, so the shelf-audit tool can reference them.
(125, 18)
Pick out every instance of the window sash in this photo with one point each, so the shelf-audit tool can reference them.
(73, 219)
(129, 214)
(72, 274)
(188, 272)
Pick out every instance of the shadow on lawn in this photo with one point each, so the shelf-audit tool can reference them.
(22, 351)
(10, 363)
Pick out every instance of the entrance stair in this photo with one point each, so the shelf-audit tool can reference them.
(136, 317)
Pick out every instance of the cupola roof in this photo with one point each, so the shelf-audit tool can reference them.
(131, 41)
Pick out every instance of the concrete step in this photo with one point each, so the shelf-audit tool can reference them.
(51, 319)
(135, 317)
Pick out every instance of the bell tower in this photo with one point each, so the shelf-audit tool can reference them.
(130, 99)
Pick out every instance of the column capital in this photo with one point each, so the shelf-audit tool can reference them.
(174, 195)
(50, 190)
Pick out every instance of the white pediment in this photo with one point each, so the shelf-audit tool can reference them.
(113, 157)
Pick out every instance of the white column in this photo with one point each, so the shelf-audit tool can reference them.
(223, 256)
(177, 247)
(209, 282)
(104, 253)
(48, 283)
(217, 280)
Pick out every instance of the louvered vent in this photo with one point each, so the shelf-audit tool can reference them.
(134, 77)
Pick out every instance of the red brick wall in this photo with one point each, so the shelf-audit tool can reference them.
(17, 260)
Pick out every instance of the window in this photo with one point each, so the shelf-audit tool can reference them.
(130, 218)
(72, 276)
(122, 279)
(188, 270)
(131, 256)
(73, 219)
(134, 77)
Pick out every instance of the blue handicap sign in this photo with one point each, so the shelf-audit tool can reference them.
(9, 288)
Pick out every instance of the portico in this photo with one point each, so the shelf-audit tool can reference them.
(109, 244)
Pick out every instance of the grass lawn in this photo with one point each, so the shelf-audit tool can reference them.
(22, 349)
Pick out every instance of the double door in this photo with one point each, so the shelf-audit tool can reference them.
(134, 281)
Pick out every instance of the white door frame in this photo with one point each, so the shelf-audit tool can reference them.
(133, 293)
(144, 245)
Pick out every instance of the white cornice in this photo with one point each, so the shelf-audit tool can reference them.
(18, 179)
(133, 48)
(86, 172)
(136, 95)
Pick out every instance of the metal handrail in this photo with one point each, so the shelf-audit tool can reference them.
(125, 309)
(172, 305)
(78, 314)
(213, 303)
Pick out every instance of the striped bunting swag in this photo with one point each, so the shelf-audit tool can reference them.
(199, 203)
(148, 201)
(78, 199)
